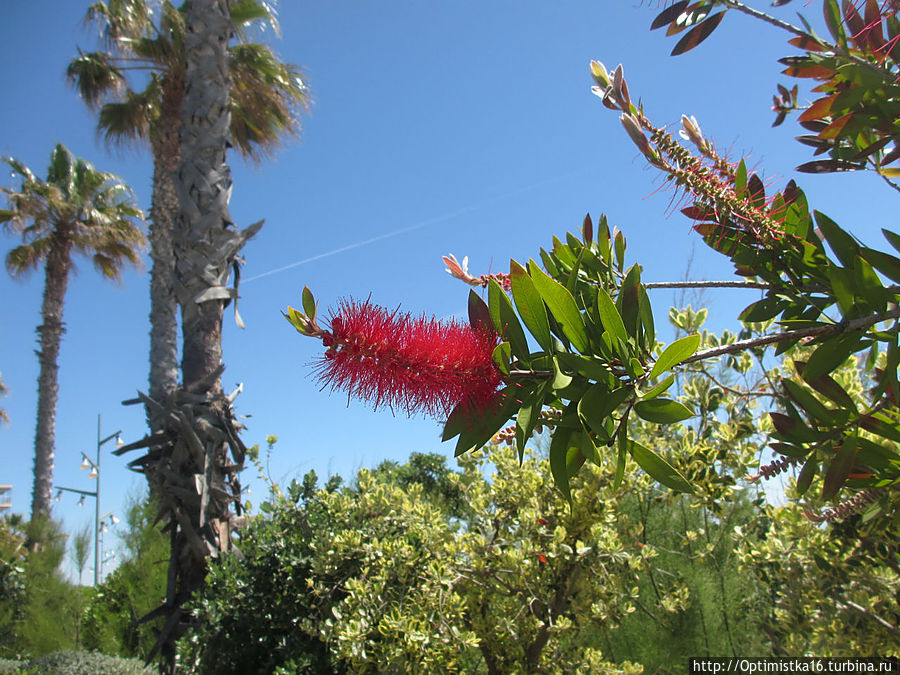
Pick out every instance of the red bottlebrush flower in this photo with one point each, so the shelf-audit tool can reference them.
(415, 364)
(542, 558)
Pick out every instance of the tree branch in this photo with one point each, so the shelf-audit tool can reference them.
(708, 284)
(768, 18)
(815, 331)
(889, 627)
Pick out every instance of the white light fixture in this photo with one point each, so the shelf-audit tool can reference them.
(58, 495)
(81, 501)
(103, 527)
(85, 464)
(113, 520)
(119, 441)
(93, 473)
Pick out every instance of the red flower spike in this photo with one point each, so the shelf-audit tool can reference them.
(415, 364)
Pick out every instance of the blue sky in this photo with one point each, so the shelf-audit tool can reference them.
(437, 127)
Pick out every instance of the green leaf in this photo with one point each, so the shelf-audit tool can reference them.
(885, 263)
(833, 21)
(476, 426)
(674, 354)
(504, 317)
(893, 238)
(559, 446)
(598, 404)
(827, 386)
(588, 449)
(586, 366)
(560, 379)
(829, 355)
(562, 306)
(528, 416)
(610, 317)
(620, 249)
(529, 304)
(659, 389)
(789, 450)
(843, 245)
(501, 357)
(658, 468)
(628, 302)
(621, 456)
(807, 473)
(662, 411)
(309, 303)
(479, 314)
(814, 408)
(839, 468)
(762, 310)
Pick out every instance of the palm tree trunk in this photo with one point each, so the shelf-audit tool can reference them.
(50, 336)
(163, 211)
(188, 463)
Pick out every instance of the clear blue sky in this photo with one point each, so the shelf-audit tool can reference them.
(437, 127)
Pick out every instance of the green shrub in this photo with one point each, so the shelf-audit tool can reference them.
(72, 662)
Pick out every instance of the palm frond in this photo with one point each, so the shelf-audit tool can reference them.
(267, 97)
(128, 121)
(95, 76)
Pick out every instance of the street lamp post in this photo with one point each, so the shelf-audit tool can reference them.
(94, 466)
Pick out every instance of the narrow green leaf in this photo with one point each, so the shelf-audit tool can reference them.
(586, 366)
(505, 320)
(588, 449)
(674, 354)
(662, 410)
(833, 21)
(309, 303)
(501, 357)
(529, 304)
(829, 355)
(620, 249)
(893, 238)
(479, 314)
(562, 306)
(827, 386)
(807, 473)
(658, 468)
(598, 404)
(628, 302)
(528, 416)
(610, 317)
(885, 263)
(839, 468)
(659, 389)
(559, 446)
(813, 408)
(476, 426)
(843, 245)
(621, 456)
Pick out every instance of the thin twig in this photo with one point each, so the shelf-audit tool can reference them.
(768, 18)
(708, 284)
(815, 331)
(893, 630)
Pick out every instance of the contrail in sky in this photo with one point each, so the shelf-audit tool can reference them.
(417, 226)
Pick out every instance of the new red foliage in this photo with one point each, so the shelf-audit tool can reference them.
(414, 364)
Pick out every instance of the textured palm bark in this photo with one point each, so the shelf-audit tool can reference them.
(50, 334)
(194, 455)
(163, 378)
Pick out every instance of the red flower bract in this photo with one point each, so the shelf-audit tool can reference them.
(414, 364)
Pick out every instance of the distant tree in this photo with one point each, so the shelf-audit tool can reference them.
(266, 95)
(81, 550)
(4, 418)
(76, 209)
(133, 589)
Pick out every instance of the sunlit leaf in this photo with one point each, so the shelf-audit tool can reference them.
(698, 34)
(662, 411)
(529, 304)
(674, 354)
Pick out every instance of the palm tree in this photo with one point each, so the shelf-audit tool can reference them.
(77, 209)
(4, 418)
(148, 37)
